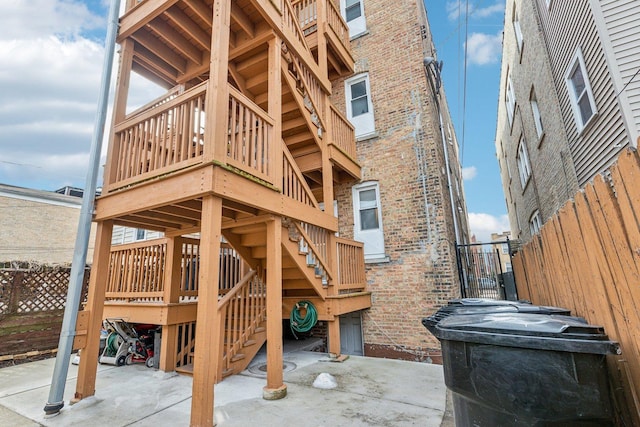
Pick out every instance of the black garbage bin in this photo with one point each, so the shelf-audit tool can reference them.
(522, 369)
(471, 306)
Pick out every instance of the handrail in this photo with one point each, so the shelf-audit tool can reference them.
(162, 99)
(236, 289)
(290, 188)
(160, 140)
(313, 248)
(338, 25)
(307, 11)
(291, 21)
(240, 312)
(313, 89)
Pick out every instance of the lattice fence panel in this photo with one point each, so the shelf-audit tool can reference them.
(44, 291)
(6, 280)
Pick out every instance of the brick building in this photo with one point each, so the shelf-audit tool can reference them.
(569, 101)
(39, 226)
(402, 207)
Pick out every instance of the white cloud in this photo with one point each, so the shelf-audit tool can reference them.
(49, 80)
(457, 8)
(482, 225)
(469, 173)
(483, 49)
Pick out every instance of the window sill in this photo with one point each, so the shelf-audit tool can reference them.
(379, 260)
(367, 136)
(587, 125)
(357, 36)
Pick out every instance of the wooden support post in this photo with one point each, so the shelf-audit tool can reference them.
(275, 108)
(172, 270)
(275, 388)
(172, 285)
(208, 332)
(168, 349)
(322, 24)
(334, 337)
(119, 107)
(86, 382)
(217, 105)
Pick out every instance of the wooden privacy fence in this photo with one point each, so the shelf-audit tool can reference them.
(32, 304)
(587, 258)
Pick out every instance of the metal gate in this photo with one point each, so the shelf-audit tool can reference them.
(485, 271)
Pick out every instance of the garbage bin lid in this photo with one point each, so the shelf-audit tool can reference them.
(526, 330)
(471, 306)
(522, 304)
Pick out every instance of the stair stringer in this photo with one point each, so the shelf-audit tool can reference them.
(292, 248)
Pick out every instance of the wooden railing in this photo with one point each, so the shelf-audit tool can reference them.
(316, 255)
(351, 272)
(185, 343)
(241, 311)
(338, 24)
(307, 13)
(250, 137)
(137, 271)
(318, 236)
(312, 89)
(190, 270)
(173, 93)
(342, 133)
(294, 185)
(161, 139)
(290, 21)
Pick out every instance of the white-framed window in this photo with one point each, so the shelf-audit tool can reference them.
(141, 234)
(516, 27)
(524, 167)
(359, 106)
(353, 13)
(505, 248)
(535, 223)
(510, 100)
(508, 267)
(580, 94)
(367, 219)
(537, 119)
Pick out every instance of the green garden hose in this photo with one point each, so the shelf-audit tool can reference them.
(303, 324)
(112, 344)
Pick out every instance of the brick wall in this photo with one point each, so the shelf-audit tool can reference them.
(38, 231)
(421, 274)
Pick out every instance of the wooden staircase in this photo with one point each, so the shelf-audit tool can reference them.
(243, 307)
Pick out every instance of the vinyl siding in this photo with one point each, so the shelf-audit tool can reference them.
(621, 21)
(569, 25)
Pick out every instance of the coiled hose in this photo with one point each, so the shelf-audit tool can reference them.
(303, 324)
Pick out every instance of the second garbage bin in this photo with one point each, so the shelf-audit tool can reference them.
(522, 369)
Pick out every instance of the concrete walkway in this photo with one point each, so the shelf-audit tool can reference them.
(370, 392)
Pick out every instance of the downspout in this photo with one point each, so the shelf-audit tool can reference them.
(68, 331)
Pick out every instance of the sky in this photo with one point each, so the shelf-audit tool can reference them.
(51, 60)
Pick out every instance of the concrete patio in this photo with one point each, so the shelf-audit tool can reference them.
(369, 392)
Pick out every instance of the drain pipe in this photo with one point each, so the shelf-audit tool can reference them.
(65, 344)
(428, 62)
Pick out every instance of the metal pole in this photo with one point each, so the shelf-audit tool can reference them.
(65, 345)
